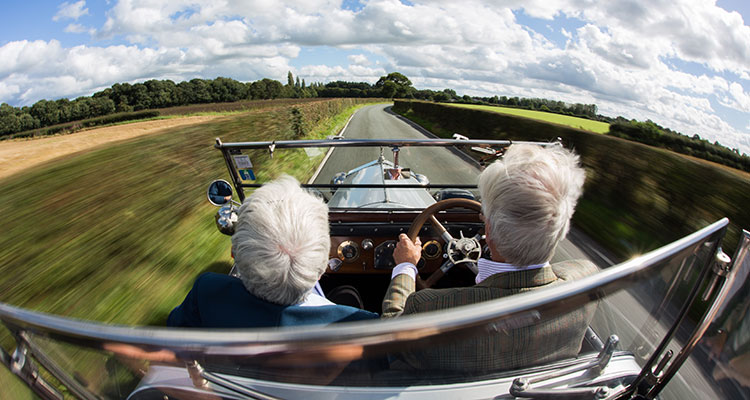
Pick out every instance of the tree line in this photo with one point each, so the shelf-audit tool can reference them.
(154, 94)
(653, 134)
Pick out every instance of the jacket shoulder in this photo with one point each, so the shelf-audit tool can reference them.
(574, 269)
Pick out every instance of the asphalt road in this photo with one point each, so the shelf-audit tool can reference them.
(440, 165)
(622, 313)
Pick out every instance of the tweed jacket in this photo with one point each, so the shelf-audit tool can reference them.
(554, 338)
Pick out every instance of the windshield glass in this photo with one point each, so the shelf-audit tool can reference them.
(562, 326)
(368, 174)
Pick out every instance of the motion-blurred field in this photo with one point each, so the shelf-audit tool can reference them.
(119, 234)
(574, 122)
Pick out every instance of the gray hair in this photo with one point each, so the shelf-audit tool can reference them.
(281, 241)
(528, 198)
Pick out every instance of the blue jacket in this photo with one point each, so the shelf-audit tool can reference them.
(221, 301)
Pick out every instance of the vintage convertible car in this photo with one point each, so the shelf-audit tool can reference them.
(651, 311)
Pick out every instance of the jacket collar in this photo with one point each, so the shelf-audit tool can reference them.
(521, 279)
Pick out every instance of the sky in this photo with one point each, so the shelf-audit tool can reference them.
(684, 64)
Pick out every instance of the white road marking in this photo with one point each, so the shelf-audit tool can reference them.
(330, 150)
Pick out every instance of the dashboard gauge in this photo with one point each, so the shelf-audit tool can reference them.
(348, 251)
(431, 250)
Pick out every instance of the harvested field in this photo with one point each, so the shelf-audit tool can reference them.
(20, 154)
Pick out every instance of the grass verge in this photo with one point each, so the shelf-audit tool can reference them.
(119, 234)
(567, 120)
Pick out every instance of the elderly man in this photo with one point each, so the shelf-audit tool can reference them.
(528, 198)
(280, 246)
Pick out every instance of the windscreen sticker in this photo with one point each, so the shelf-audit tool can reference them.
(247, 174)
(242, 162)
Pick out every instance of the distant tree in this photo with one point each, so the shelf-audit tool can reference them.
(395, 84)
(266, 89)
(441, 97)
(289, 79)
(389, 89)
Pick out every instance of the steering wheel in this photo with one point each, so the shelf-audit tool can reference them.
(459, 250)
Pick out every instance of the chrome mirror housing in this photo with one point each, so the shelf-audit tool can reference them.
(226, 217)
(219, 192)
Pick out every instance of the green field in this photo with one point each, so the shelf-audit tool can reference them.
(567, 120)
(119, 234)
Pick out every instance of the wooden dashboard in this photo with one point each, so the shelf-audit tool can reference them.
(364, 241)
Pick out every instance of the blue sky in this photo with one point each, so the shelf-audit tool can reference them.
(684, 64)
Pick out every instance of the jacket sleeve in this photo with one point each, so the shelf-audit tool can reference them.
(395, 298)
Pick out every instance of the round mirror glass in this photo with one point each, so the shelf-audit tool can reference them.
(219, 192)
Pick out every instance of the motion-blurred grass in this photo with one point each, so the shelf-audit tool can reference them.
(118, 234)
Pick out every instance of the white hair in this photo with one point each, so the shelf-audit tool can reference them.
(281, 241)
(528, 198)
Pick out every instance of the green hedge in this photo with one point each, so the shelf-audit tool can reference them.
(636, 197)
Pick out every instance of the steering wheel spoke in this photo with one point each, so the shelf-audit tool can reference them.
(461, 250)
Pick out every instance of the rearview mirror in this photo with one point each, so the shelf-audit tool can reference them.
(219, 192)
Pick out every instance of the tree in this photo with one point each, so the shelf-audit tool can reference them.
(289, 79)
(395, 84)
(265, 89)
(389, 89)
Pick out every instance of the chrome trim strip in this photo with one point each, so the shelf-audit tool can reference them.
(294, 144)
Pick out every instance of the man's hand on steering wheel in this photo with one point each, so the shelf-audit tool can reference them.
(407, 251)
(461, 250)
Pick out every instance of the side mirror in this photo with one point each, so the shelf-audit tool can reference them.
(219, 192)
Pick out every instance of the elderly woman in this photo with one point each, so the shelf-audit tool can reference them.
(280, 246)
(528, 198)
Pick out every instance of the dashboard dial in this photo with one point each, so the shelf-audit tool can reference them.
(348, 251)
(431, 250)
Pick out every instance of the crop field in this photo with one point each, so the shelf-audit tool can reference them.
(119, 233)
(567, 120)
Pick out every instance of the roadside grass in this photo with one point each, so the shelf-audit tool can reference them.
(119, 234)
(574, 122)
(13, 388)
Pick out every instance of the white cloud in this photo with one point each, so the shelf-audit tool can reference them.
(78, 28)
(359, 59)
(624, 56)
(737, 98)
(71, 10)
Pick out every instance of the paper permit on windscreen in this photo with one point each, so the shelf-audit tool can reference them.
(242, 161)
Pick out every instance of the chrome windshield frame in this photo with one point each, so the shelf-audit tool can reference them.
(236, 342)
(227, 149)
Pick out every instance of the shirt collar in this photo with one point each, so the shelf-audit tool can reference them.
(488, 268)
